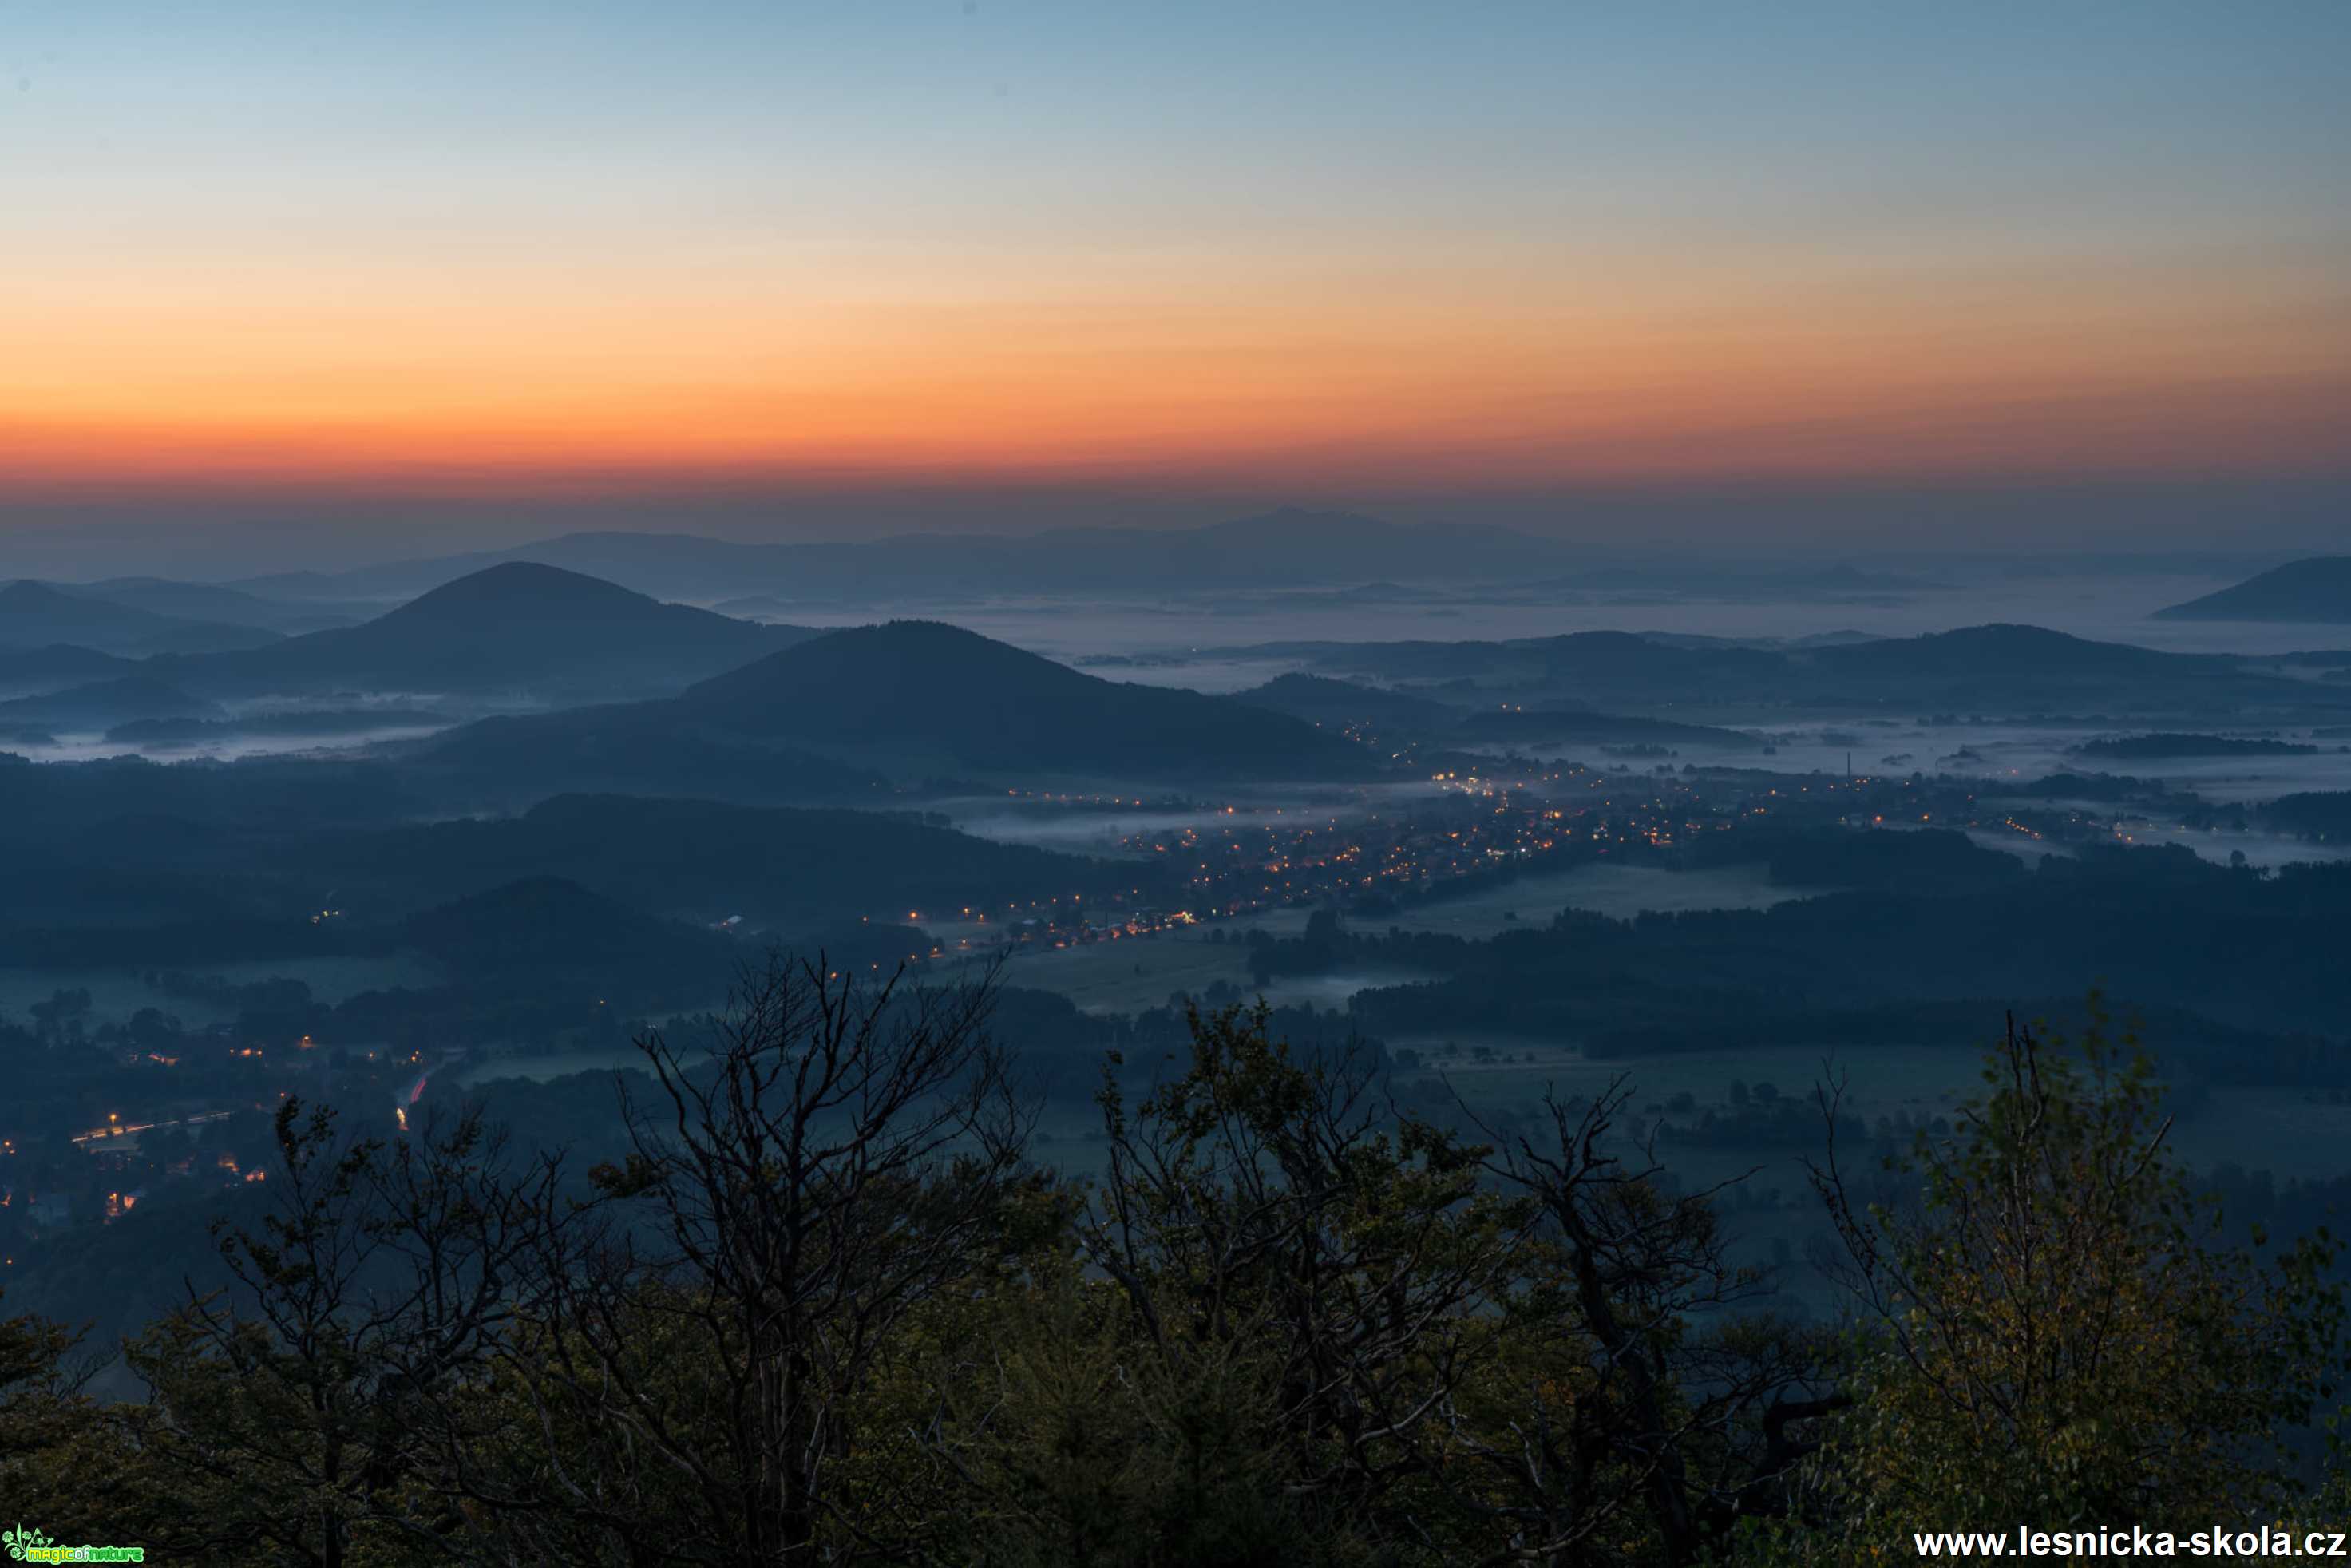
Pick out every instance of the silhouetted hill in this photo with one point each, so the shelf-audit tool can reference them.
(127, 841)
(211, 601)
(1947, 921)
(2031, 668)
(105, 704)
(2322, 814)
(921, 691)
(837, 717)
(514, 626)
(1320, 699)
(2318, 589)
(36, 614)
(139, 843)
(644, 748)
(545, 929)
(2001, 649)
(25, 670)
(41, 799)
(782, 867)
(1973, 669)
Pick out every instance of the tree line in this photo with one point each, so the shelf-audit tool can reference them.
(826, 1309)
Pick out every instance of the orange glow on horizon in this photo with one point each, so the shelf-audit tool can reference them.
(1494, 378)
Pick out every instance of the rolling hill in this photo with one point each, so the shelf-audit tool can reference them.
(2318, 590)
(841, 715)
(516, 627)
(211, 601)
(36, 615)
(2016, 668)
(24, 672)
(1319, 699)
(163, 850)
(105, 704)
(932, 693)
(2002, 649)
(789, 869)
(2032, 669)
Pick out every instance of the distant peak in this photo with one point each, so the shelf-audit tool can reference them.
(2316, 588)
(1988, 635)
(518, 583)
(512, 573)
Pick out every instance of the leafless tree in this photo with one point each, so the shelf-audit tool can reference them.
(838, 1153)
(295, 1407)
(1691, 1411)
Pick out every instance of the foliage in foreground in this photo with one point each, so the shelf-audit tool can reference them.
(827, 1312)
(2057, 1330)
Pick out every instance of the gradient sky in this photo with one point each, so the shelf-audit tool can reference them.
(493, 258)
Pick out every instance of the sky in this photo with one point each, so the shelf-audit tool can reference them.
(332, 282)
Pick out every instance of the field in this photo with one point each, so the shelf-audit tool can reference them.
(338, 979)
(1616, 891)
(2291, 1132)
(1135, 973)
(1131, 974)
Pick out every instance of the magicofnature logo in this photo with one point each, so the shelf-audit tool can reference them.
(25, 1544)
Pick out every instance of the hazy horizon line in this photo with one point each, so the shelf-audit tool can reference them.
(219, 538)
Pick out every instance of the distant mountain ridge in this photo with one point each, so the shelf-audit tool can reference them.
(105, 704)
(2316, 589)
(2000, 666)
(212, 603)
(54, 667)
(1286, 548)
(39, 614)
